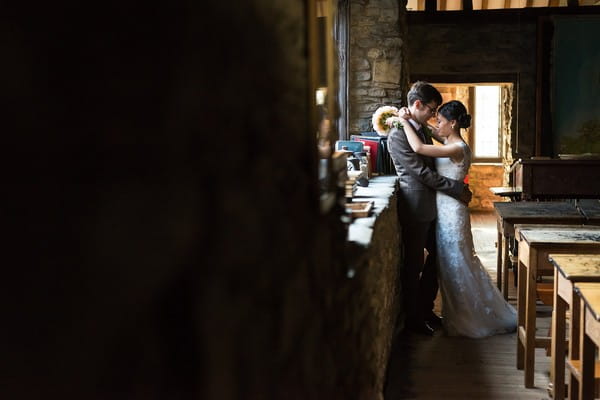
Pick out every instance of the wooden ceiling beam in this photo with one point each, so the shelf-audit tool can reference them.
(467, 5)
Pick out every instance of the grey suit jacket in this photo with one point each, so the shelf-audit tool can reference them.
(418, 180)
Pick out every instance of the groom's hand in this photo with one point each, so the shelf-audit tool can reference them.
(466, 194)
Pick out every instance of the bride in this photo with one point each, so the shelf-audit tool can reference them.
(472, 306)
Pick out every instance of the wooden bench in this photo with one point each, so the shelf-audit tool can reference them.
(569, 270)
(536, 242)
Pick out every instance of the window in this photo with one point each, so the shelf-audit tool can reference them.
(486, 131)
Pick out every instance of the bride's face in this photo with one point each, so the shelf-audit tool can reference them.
(444, 126)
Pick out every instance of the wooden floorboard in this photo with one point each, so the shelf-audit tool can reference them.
(442, 367)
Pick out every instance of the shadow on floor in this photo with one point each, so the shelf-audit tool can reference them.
(442, 367)
(437, 367)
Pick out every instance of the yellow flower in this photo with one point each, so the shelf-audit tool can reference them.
(380, 117)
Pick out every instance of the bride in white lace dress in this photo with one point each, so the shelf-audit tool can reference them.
(472, 305)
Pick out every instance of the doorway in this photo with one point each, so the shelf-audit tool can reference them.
(490, 105)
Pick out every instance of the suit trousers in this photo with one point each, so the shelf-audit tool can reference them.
(419, 279)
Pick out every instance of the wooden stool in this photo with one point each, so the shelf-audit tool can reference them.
(569, 270)
(535, 243)
(587, 369)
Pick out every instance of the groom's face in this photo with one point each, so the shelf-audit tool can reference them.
(424, 111)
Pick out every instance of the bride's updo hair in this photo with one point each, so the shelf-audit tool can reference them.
(454, 109)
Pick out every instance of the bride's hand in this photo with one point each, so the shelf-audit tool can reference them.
(404, 113)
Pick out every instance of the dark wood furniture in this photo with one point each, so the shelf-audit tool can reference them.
(556, 179)
(506, 191)
(590, 209)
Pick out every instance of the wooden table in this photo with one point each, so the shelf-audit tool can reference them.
(511, 213)
(536, 242)
(507, 191)
(569, 270)
(589, 326)
(590, 209)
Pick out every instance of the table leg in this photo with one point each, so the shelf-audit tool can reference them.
(505, 266)
(588, 355)
(557, 372)
(520, 314)
(576, 330)
(530, 315)
(499, 262)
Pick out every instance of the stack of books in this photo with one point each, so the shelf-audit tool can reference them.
(352, 182)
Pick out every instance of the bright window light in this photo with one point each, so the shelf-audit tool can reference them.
(487, 121)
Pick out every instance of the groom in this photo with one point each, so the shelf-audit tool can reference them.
(417, 212)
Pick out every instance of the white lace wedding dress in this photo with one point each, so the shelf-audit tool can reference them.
(472, 305)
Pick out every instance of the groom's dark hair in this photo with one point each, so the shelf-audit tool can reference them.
(425, 92)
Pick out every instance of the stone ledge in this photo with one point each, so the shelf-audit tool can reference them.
(380, 190)
(371, 293)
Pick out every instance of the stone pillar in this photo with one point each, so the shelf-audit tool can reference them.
(378, 64)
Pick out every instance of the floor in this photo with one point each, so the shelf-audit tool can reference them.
(442, 367)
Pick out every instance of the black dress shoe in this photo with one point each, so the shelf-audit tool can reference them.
(420, 328)
(434, 320)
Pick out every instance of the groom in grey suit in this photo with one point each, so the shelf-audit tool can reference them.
(417, 211)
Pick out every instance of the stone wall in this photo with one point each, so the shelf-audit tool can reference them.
(471, 47)
(378, 73)
(481, 178)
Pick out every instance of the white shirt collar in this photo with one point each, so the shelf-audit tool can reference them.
(415, 124)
